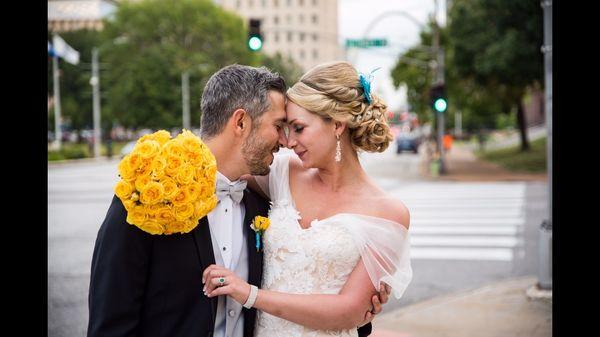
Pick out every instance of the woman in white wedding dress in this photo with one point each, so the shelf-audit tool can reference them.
(334, 236)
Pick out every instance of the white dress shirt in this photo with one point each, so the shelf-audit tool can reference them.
(226, 227)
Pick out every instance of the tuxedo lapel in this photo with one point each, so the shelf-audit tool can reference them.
(204, 247)
(254, 257)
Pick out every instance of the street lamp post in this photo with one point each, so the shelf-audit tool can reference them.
(545, 234)
(95, 82)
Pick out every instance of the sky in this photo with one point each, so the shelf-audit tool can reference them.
(355, 16)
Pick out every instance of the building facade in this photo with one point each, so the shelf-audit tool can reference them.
(305, 30)
(69, 15)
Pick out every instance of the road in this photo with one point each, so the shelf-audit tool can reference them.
(463, 234)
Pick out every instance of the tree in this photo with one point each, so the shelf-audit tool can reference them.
(159, 41)
(286, 67)
(75, 89)
(496, 44)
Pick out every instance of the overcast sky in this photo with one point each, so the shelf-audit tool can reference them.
(354, 16)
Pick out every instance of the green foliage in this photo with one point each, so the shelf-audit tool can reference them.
(533, 160)
(162, 39)
(75, 88)
(286, 67)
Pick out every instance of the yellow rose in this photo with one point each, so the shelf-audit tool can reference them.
(142, 181)
(125, 170)
(182, 212)
(165, 215)
(152, 226)
(190, 141)
(136, 215)
(190, 225)
(158, 166)
(145, 167)
(170, 187)
(260, 223)
(174, 148)
(203, 207)
(135, 196)
(128, 204)
(153, 210)
(173, 164)
(185, 174)
(147, 149)
(181, 197)
(194, 189)
(134, 160)
(123, 189)
(175, 227)
(152, 193)
(162, 137)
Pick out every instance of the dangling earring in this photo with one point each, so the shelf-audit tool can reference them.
(338, 150)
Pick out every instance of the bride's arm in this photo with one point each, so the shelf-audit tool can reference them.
(342, 311)
(255, 186)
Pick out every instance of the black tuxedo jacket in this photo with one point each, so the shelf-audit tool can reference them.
(151, 285)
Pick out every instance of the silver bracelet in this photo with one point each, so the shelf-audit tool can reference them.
(252, 297)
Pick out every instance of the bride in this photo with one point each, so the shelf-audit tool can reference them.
(334, 235)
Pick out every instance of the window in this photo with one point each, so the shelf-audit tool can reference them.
(301, 37)
(276, 37)
(301, 18)
(289, 36)
(250, 3)
(314, 2)
(314, 18)
(302, 54)
(315, 37)
(264, 3)
(301, 3)
(288, 19)
(289, 3)
(315, 54)
(276, 20)
(238, 4)
(275, 3)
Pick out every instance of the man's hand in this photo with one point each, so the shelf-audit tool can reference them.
(377, 301)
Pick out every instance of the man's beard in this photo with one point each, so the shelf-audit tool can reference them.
(255, 152)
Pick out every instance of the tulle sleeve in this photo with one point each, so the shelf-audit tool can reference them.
(385, 250)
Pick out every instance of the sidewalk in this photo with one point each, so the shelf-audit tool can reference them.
(463, 165)
(498, 310)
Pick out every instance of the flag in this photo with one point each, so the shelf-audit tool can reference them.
(50, 49)
(62, 49)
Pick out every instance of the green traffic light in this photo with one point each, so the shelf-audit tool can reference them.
(440, 105)
(255, 43)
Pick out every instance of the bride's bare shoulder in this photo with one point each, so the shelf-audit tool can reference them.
(394, 209)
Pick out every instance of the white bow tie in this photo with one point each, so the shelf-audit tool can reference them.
(234, 190)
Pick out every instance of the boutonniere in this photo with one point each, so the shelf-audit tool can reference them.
(259, 225)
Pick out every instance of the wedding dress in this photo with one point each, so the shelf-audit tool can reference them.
(319, 259)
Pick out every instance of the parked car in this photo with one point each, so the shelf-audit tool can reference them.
(408, 141)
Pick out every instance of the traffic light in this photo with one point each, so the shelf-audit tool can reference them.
(255, 40)
(437, 96)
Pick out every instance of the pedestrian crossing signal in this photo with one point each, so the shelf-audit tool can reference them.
(255, 40)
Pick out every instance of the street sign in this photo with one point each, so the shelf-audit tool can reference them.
(365, 43)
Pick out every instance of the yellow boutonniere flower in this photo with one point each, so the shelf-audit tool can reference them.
(166, 184)
(259, 226)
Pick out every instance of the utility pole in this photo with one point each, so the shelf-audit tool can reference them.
(95, 82)
(438, 77)
(185, 96)
(545, 238)
(57, 116)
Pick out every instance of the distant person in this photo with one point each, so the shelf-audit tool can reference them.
(447, 140)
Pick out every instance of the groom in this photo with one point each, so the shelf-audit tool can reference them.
(151, 285)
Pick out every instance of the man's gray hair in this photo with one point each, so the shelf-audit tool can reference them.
(236, 87)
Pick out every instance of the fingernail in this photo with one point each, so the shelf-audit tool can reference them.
(204, 289)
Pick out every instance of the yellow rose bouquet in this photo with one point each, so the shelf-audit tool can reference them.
(167, 184)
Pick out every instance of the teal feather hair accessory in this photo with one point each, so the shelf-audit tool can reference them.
(365, 82)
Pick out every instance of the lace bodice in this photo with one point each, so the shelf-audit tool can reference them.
(316, 260)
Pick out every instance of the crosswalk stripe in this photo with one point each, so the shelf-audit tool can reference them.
(486, 254)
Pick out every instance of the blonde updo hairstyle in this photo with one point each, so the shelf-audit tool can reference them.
(334, 92)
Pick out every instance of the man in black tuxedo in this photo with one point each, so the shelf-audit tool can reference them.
(151, 285)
